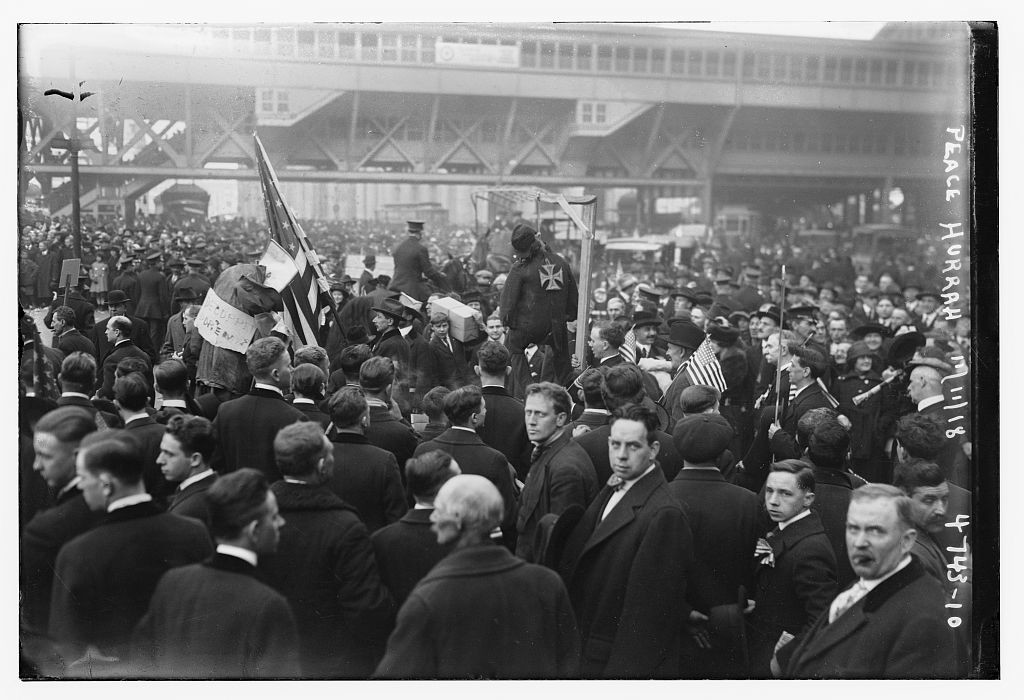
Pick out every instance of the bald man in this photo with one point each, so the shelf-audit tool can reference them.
(481, 612)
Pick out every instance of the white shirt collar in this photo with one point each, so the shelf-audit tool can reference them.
(74, 393)
(930, 401)
(462, 427)
(869, 585)
(799, 516)
(801, 389)
(174, 403)
(600, 411)
(500, 386)
(193, 479)
(417, 506)
(239, 552)
(268, 387)
(129, 501)
(299, 399)
(126, 340)
(628, 483)
(70, 485)
(405, 331)
(135, 416)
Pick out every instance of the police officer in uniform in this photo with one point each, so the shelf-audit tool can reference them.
(412, 264)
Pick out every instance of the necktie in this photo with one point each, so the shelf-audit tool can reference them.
(640, 353)
(775, 531)
(535, 455)
(846, 600)
(615, 483)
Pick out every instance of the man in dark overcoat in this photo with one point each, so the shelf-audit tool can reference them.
(626, 561)
(385, 428)
(118, 335)
(538, 305)
(408, 549)
(412, 265)
(796, 577)
(217, 619)
(505, 429)
(154, 299)
(466, 410)
(104, 578)
(891, 622)
(84, 311)
(118, 304)
(246, 426)
(481, 612)
(723, 518)
(364, 476)
(561, 474)
(324, 564)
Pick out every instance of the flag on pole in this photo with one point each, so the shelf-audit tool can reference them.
(302, 296)
(703, 368)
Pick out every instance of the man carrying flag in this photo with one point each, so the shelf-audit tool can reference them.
(306, 294)
(684, 339)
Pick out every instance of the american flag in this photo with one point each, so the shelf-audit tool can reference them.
(628, 349)
(304, 296)
(703, 368)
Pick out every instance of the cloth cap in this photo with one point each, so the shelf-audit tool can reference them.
(702, 437)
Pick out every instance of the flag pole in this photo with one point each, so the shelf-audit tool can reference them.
(778, 363)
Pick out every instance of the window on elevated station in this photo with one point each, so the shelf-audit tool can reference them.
(307, 43)
(547, 55)
(528, 54)
(924, 73)
(325, 45)
(845, 69)
(565, 52)
(813, 66)
(346, 46)
(261, 44)
(678, 63)
(748, 65)
(779, 62)
(427, 45)
(831, 66)
(658, 61)
(370, 44)
(712, 63)
(584, 56)
(796, 68)
(285, 42)
(604, 58)
(622, 59)
(764, 66)
(639, 59)
(875, 75)
(409, 53)
(892, 72)
(909, 72)
(389, 48)
(860, 71)
(729, 64)
(695, 63)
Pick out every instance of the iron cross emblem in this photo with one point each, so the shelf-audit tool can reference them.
(551, 277)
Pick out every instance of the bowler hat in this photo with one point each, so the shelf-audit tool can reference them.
(523, 237)
(685, 334)
(194, 262)
(117, 296)
(702, 437)
(414, 226)
(370, 260)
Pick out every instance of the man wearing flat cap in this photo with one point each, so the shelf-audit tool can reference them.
(723, 518)
(538, 305)
(925, 389)
(412, 265)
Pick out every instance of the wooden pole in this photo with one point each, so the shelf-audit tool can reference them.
(778, 363)
(583, 305)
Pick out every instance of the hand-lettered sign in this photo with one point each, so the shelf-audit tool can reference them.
(223, 325)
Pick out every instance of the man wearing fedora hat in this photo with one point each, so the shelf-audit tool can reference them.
(390, 343)
(127, 280)
(118, 304)
(683, 339)
(412, 265)
(538, 305)
(737, 401)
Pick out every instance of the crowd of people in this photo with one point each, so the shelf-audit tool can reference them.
(744, 476)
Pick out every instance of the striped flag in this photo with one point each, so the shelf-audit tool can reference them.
(703, 368)
(628, 348)
(302, 298)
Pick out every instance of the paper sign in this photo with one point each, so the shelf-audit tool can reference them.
(280, 267)
(223, 325)
(69, 273)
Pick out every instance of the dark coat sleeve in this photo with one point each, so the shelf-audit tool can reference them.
(393, 504)
(814, 581)
(362, 596)
(651, 609)
(410, 651)
(568, 483)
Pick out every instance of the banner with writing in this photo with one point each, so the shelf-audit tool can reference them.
(223, 325)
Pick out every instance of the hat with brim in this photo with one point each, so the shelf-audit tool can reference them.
(414, 226)
(860, 331)
(860, 349)
(905, 345)
(194, 262)
(802, 311)
(768, 311)
(185, 294)
(392, 308)
(117, 296)
(153, 257)
(645, 318)
(685, 293)
(928, 293)
(175, 262)
(918, 360)
(725, 335)
(685, 334)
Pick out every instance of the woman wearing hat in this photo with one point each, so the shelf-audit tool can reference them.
(873, 417)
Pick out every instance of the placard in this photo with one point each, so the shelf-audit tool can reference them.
(69, 273)
(280, 266)
(223, 325)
